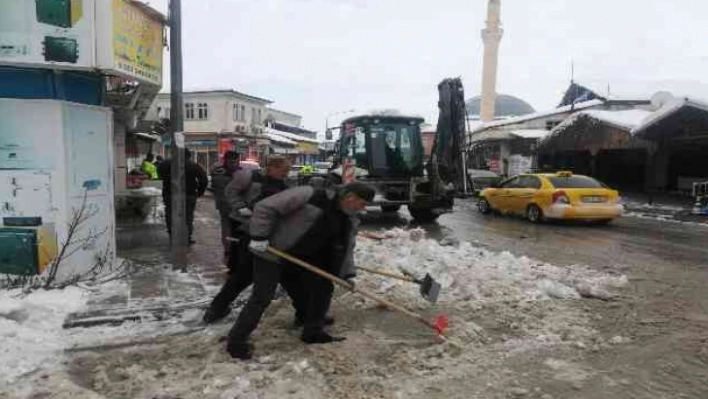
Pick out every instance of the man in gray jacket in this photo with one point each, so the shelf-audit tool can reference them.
(246, 188)
(315, 225)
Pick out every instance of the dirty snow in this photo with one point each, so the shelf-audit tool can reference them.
(31, 328)
(471, 274)
(499, 305)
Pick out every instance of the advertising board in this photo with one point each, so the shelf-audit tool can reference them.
(133, 38)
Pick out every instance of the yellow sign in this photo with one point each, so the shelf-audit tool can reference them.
(137, 42)
(307, 148)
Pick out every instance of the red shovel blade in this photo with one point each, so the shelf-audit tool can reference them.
(441, 324)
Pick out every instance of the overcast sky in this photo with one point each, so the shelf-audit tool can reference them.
(317, 57)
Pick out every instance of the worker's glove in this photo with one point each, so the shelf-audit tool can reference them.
(245, 212)
(258, 246)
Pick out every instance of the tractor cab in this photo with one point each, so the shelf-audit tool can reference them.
(383, 146)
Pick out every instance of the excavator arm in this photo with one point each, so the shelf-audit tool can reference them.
(446, 159)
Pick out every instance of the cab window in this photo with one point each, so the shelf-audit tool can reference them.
(530, 182)
(511, 183)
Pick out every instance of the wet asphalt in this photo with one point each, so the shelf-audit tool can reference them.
(625, 243)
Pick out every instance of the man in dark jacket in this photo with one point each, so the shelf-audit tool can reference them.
(220, 178)
(315, 225)
(195, 185)
(246, 188)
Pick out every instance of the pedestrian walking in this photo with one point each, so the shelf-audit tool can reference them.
(221, 176)
(315, 225)
(195, 185)
(247, 187)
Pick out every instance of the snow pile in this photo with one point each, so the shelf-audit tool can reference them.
(468, 273)
(31, 328)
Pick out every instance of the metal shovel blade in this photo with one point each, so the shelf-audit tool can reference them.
(429, 288)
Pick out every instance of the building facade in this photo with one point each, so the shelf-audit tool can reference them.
(217, 121)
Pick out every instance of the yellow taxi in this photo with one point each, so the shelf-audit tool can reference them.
(561, 195)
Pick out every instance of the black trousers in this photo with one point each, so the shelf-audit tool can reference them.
(266, 277)
(316, 294)
(319, 298)
(191, 206)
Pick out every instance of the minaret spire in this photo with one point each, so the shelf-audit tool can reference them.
(491, 36)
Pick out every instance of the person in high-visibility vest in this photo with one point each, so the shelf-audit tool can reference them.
(307, 170)
(148, 167)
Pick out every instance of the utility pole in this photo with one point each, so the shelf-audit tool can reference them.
(178, 181)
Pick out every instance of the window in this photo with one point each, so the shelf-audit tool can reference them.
(254, 121)
(393, 148)
(159, 112)
(575, 182)
(243, 113)
(511, 183)
(203, 111)
(189, 111)
(530, 182)
(260, 116)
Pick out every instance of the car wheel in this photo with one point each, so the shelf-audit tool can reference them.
(534, 214)
(484, 207)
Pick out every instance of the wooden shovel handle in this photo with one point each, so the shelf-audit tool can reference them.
(388, 274)
(350, 287)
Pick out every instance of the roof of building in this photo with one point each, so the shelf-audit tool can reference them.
(284, 112)
(625, 119)
(539, 115)
(279, 139)
(530, 133)
(221, 91)
(505, 106)
(673, 109)
(147, 9)
(290, 136)
(628, 89)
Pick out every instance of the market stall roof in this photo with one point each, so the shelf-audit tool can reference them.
(625, 120)
(674, 116)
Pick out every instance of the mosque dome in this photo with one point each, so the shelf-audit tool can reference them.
(506, 106)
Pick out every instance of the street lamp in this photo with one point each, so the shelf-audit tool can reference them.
(328, 133)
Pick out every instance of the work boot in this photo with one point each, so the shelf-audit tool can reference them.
(212, 315)
(320, 337)
(240, 350)
(299, 323)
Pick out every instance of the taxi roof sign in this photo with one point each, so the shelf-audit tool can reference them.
(564, 173)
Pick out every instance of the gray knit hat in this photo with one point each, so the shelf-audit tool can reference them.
(361, 190)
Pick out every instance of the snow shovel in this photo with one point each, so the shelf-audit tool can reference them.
(439, 325)
(429, 288)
